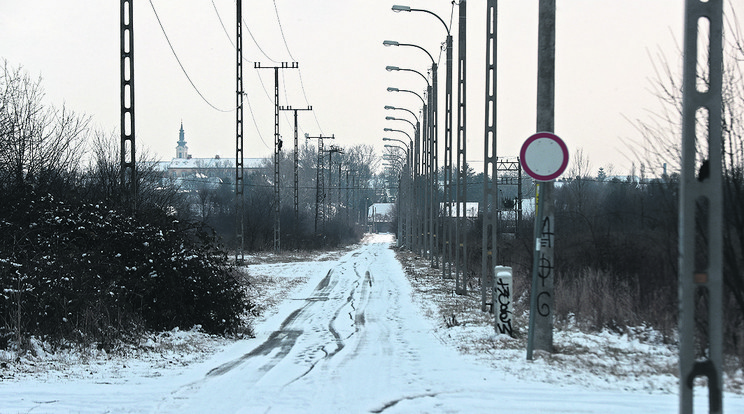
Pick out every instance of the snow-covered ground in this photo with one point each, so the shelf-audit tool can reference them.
(352, 332)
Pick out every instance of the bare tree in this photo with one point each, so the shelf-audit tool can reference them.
(35, 139)
(659, 145)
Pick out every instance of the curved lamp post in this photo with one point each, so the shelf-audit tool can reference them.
(431, 190)
(448, 132)
(394, 43)
(389, 107)
(391, 89)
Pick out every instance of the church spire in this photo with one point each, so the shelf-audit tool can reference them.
(182, 151)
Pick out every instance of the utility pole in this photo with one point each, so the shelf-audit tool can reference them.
(701, 207)
(319, 178)
(461, 189)
(296, 197)
(128, 166)
(447, 229)
(489, 209)
(332, 149)
(542, 295)
(239, 167)
(277, 149)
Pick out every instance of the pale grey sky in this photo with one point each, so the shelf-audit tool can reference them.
(604, 67)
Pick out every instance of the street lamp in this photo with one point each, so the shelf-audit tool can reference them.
(402, 109)
(448, 133)
(398, 8)
(392, 118)
(391, 89)
(394, 43)
(396, 140)
(397, 68)
(398, 130)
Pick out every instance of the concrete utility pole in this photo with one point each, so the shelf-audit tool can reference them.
(319, 179)
(239, 167)
(489, 208)
(296, 195)
(461, 281)
(277, 149)
(701, 207)
(447, 228)
(128, 166)
(541, 316)
(332, 149)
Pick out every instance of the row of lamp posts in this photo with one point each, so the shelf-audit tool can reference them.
(422, 227)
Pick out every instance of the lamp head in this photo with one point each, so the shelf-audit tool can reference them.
(391, 68)
(390, 43)
(397, 8)
(388, 106)
(391, 89)
(387, 129)
(390, 118)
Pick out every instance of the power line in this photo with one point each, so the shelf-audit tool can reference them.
(253, 117)
(256, 42)
(181, 64)
(224, 29)
(302, 86)
(281, 30)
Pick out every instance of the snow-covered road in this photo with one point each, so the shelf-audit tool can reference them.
(349, 341)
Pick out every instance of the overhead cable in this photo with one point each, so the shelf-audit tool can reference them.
(281, 30)
(181, 64)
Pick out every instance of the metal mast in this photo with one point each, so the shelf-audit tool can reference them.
(239, 168)
(319, 178)
(701, 206)
(490, 185)
(296, 195)
(462, 167)
(277, 150)
(128, 167)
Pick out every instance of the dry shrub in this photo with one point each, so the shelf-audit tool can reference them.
(596, 299)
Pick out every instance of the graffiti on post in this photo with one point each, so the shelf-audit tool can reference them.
(502, 295)
(545, 270)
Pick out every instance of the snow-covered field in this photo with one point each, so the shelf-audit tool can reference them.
(352, 331)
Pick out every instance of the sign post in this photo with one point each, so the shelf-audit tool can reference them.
(544, 157)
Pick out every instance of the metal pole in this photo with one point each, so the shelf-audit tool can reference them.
(447, 219)
(701, 207)
(128, 166)
(239, 167)
(490, 185)
(462, 166)
(434, 148)
(428, 182)
(543, 298)
(277, 150)
(296, 194)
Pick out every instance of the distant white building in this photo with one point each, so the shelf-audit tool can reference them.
(185, 170)
(471, 209)
(380, 217)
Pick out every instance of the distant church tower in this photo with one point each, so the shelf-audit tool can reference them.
(182, 151)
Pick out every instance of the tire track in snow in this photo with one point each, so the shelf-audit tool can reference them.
(356, 316)
(284, 339)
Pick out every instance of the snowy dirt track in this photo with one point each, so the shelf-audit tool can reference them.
(350, 340)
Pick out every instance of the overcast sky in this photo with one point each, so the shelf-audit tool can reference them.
(605, 51)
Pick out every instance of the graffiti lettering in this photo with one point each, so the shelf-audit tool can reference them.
(502, 290)
(543, 307)
(547, 233)
(546, 268)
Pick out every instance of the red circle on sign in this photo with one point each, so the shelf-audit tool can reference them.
(544, 156)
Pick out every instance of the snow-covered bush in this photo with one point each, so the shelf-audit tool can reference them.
(72, 270)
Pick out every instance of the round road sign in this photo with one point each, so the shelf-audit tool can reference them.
(544, 156)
